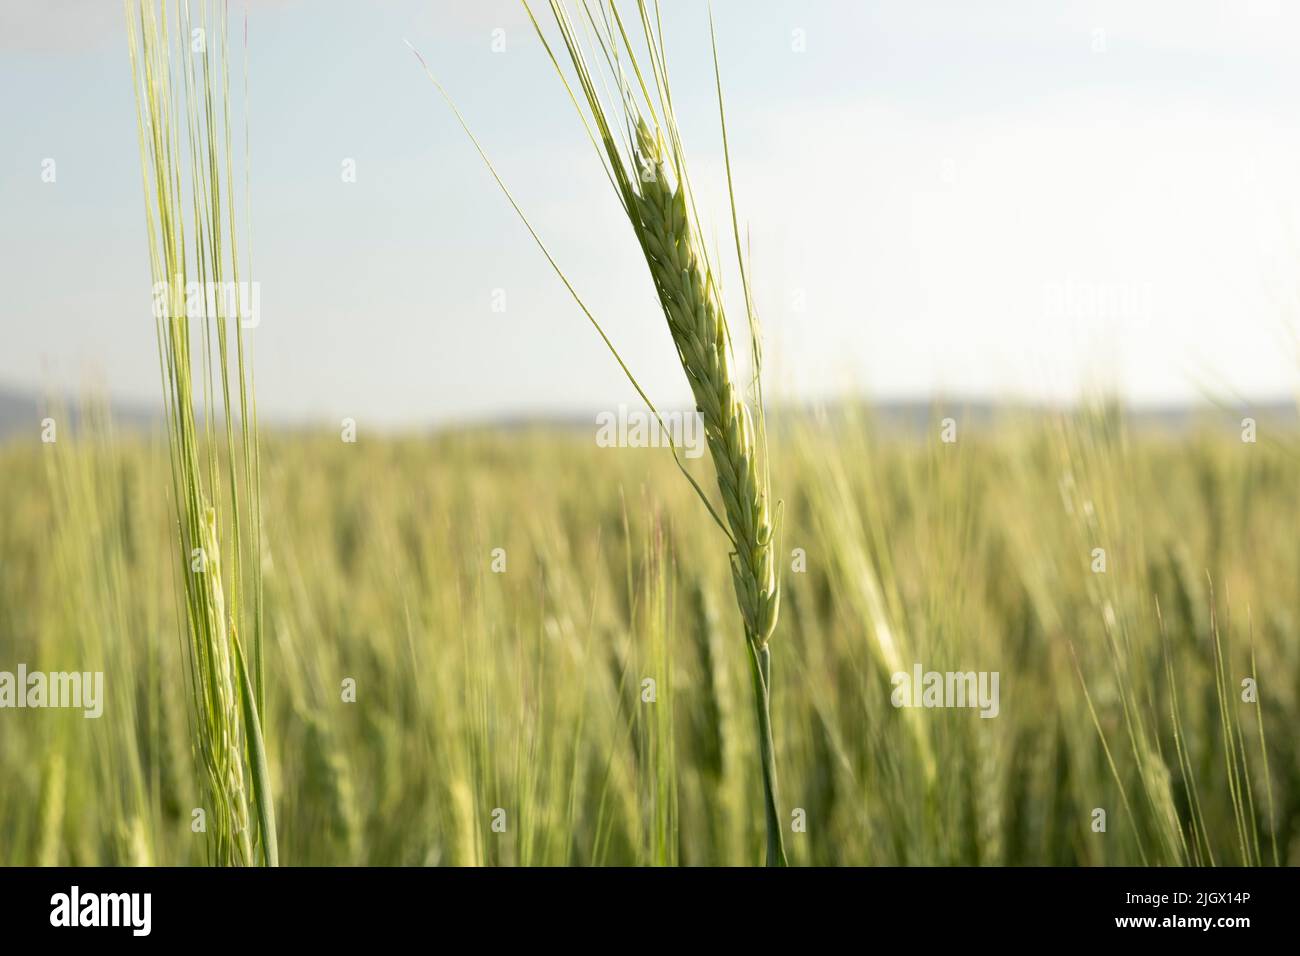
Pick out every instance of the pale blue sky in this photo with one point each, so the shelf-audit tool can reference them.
(1003, 199)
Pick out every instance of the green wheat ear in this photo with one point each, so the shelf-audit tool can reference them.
(646, 164)
(700, 333)
(183, 118)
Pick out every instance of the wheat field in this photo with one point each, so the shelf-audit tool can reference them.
(515, 647)
(1009, 635)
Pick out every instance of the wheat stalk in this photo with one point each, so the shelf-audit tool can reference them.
(647, 167)
(702, 337)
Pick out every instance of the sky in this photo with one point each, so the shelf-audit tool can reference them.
(1016, 199)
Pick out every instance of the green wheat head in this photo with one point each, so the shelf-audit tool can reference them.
(699, 329)
(635, 135)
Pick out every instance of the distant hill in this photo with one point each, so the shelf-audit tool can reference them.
(21, 413)
(17, 412)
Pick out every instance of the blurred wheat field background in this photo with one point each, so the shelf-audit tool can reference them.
(501, 598)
